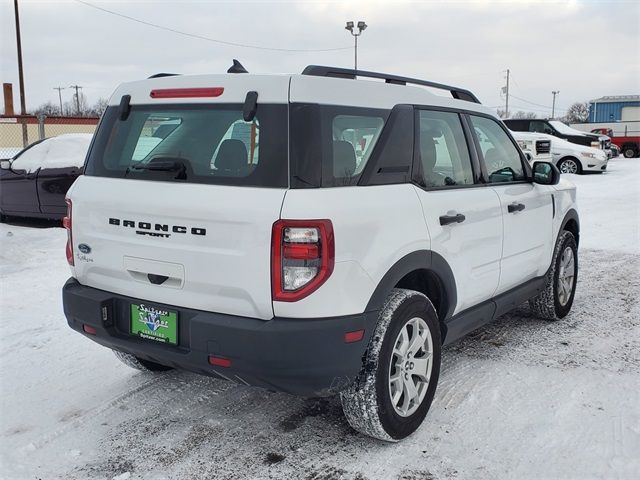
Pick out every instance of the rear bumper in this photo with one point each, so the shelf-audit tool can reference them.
(306, 357)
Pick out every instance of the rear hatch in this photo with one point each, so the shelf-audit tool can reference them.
(181, 191)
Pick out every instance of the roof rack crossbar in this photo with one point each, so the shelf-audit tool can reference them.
(338, 72)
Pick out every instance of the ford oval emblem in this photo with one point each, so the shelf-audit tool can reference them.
(84, 248)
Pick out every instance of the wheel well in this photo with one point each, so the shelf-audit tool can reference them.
(572, 226)
(427, 282)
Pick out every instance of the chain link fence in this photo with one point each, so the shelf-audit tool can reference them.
(20, 131)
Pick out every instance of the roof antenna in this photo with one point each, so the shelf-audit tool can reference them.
(237, 67)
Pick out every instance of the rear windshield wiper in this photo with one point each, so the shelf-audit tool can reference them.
(159, 166)
(162, 165)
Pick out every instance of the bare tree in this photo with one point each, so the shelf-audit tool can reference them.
(577, 113)
(48, 109)
(527, 115)
(501, 113)
(98, 108)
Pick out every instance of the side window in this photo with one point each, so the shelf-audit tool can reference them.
(353, 140)
(441, 151)
(500, 155)
(540, 127)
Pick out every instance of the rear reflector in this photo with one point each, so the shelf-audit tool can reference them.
(219, 361)
(186, 92)
(352, 337)
(89, 329)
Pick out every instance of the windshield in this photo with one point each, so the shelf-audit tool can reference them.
(566, 130)
(193, 144)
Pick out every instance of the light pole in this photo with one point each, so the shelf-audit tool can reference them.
(361, 28)
(553, 106)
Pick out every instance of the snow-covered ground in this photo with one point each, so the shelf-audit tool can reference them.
(518, 399)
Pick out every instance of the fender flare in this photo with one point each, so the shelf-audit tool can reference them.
(572, 214)
(418, 260)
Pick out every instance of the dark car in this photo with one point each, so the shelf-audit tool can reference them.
(35, 181)
(560, 130)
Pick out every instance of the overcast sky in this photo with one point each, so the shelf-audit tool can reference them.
(583, 49)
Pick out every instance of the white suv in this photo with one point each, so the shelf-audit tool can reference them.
(315, 234)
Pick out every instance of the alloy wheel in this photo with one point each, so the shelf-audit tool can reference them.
(410, 368)
(566, 276)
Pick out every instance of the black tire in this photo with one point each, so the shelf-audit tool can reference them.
(367, 403)
(550, 304)
(629, 152)
(140, 364)
(566, 162)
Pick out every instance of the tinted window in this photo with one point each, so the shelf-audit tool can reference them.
(501, 157)
(442, 152)
(193, 143)
(330, 145)
(540, 127)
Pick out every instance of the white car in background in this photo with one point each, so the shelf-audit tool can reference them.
(569, 157)
(536, 147)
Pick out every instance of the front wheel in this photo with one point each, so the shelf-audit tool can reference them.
(393, 392)
(554, 302)
(569, 165)
(629, 152)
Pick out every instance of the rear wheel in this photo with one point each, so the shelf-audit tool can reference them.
(555, 301)
(569, 165)
(140, 364)
(629, 152)
(393, 393)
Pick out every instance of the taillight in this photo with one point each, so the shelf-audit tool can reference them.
(66, 223)
(302, 257)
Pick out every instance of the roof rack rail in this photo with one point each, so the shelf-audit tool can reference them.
(160, 75)
(337, 72)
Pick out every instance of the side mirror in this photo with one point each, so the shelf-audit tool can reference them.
(545, 173)
(5, 164)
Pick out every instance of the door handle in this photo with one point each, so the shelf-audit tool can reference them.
(448, 219)
(515, 207)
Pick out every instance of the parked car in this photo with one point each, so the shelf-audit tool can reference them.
(626, 135)
(297, 233)
(615, 150)
(573, 158)
(35, 181)
(536, 147)
(560, 130)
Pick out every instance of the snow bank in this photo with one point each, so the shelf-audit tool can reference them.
(63, 151)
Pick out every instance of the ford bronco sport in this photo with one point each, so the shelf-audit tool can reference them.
(316, 234)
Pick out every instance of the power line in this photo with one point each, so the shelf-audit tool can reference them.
(209, 39)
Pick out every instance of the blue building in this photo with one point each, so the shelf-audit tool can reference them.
(615, 108)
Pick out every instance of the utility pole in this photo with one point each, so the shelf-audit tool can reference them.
(506, 90)
(23, 105)
(361, 28)
(77, 87)
(553, 107)
(60, 97)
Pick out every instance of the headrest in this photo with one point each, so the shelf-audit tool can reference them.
(344, 159)
(232, 156)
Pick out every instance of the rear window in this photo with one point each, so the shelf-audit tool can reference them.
(194, 144)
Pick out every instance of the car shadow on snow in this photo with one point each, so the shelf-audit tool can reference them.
(33, 222)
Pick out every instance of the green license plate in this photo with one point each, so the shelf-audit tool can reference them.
(154, 323)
